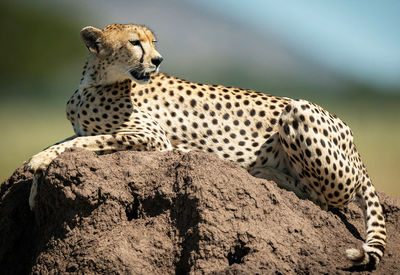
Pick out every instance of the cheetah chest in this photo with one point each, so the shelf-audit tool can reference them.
(100, 110)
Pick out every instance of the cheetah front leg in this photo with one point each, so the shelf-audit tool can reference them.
(38, 162)
(138, 141)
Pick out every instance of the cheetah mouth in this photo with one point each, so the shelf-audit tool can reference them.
(141, 77)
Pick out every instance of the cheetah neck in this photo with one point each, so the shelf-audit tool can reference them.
(95, 73)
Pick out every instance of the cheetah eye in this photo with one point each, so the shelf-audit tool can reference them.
(135, 42)
(154, 41)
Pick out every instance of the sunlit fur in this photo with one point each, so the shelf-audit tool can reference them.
(112, 54)
(296, 143)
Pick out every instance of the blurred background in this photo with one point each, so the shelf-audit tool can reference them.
(343, 55)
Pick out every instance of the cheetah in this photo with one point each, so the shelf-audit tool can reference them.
(124, 103)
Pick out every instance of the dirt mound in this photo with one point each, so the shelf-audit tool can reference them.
(166, 213)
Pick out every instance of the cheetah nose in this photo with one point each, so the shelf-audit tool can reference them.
(157, 60)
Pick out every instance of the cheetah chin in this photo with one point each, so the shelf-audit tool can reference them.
(140, 77)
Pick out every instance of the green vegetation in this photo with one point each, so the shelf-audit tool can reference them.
(27, 129)
(41, 50)
(41, 57)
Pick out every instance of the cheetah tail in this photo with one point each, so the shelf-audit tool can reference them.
(374, 246)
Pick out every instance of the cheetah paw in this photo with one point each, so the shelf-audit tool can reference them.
(39, 162)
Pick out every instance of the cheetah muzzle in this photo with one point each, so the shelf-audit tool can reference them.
(298, 144)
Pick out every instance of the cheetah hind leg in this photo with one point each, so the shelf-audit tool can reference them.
(375, 243)
(282, 180)
(319, 151)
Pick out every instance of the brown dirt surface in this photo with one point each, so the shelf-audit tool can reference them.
(174, 213)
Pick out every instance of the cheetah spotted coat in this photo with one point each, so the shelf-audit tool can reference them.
(296, 143)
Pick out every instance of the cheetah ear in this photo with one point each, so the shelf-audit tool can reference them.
(92, 38)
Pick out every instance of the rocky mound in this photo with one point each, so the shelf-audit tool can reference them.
(166, 213)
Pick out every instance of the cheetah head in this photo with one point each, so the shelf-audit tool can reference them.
(123, 51)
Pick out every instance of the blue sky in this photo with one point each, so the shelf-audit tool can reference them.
(356, 37)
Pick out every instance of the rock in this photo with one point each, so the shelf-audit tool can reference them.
(172, 212)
